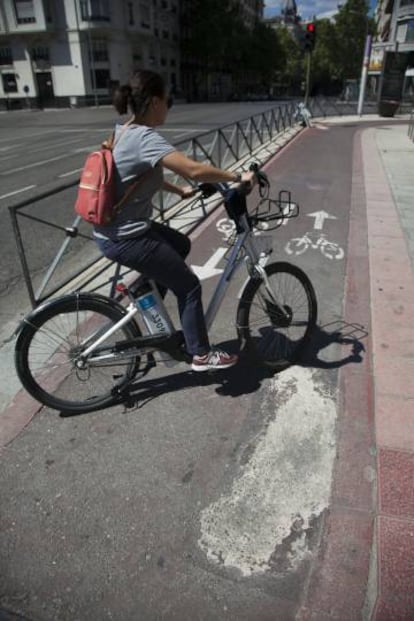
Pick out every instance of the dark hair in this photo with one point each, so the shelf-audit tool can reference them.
(137, 94)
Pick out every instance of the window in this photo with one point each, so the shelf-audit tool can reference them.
(102, 78)
(25, 13)
(99, 51)
(40, 53)
(95, 10)
(401, 33)
(165, 34)
(145, 15)
(6, 56)
(9, 83)
(151, 56)
(131, 13)
(48, 11)
(410, 31)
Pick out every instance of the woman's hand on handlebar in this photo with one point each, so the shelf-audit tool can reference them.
(248, 180)
(188, 191)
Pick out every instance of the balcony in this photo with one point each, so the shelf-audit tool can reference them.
(405, 9)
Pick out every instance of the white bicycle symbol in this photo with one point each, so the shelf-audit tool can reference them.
(227, 228)
(299, 245)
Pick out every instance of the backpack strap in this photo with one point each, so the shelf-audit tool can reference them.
(110, 144)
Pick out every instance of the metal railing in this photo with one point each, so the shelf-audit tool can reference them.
(224, 147)
(411, 126)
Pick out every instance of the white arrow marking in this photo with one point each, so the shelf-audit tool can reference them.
(320, 217)
(209, 269)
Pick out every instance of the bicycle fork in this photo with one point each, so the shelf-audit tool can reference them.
(273, 306)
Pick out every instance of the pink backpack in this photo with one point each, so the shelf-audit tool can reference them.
(96, 199)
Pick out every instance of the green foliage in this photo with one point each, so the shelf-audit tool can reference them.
(351, 27)
(220, 41)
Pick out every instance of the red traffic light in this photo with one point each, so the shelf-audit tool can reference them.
(310, 27)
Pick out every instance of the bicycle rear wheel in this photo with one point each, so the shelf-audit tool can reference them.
(48, 351)
(277, 333)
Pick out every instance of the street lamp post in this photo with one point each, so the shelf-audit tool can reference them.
(364, 73)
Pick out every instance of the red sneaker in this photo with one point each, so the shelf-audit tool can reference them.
(215, 359)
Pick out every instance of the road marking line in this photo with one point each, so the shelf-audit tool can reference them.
(43, 133)
(190, 131)
(72, 153)
(71, 172)
(29, 187)
(182, 129)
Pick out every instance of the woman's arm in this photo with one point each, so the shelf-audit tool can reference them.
(197, 171)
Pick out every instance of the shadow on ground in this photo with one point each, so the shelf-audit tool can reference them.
(349, 335)
(247, 376)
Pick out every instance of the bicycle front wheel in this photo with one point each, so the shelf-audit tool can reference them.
(275, 322)
(49, 348)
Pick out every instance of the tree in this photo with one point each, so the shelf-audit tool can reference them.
(352, 24)
(291, 73)
(326, 71)
(217, 42)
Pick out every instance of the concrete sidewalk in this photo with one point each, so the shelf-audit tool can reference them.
(363, 568)
(378, 402)
(389, 183)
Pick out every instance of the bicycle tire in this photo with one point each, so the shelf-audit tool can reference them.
(49, 342)
(274, 341)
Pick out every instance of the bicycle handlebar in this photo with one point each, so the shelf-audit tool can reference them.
(208, 189)
(235, 200)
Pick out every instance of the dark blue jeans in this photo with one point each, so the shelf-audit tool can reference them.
(159, 254)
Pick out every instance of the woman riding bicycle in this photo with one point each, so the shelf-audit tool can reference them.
(136, 241)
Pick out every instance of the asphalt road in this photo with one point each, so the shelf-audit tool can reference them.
(206, 499)
(38, 148)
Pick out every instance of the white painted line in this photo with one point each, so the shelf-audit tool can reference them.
(52, 159)
(29, 187)
(71, 172)
(9, 156)
(182, 129)
(25, 136)
(209, 268)
(187, 133)
(73, 130)
(320, 217)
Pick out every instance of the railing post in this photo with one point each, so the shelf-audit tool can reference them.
(22, 256)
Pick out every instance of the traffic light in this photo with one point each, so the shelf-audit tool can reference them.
(310, 36)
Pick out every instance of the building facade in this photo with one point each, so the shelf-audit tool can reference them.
(74, 52)
(395, 33)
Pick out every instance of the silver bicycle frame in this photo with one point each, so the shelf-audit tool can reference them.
(244, 241)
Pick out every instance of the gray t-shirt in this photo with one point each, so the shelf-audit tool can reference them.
(138, 149)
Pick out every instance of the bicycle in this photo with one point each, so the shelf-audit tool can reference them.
(99, 344)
